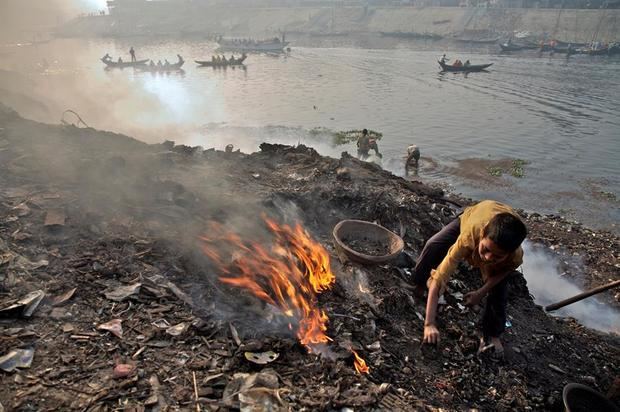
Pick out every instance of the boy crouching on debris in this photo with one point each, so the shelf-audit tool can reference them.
(488, 236)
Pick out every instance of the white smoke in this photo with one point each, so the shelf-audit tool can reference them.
(546, 284)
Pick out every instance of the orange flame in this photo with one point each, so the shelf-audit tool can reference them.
(360, 364)
(287, 274)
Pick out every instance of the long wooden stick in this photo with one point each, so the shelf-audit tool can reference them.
(582, 295)
(196, 392)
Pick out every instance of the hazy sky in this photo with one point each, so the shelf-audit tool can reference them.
(20, 20)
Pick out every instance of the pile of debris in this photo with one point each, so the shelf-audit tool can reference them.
(108, 301)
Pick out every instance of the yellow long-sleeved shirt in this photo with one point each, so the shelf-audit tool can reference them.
(473, 221)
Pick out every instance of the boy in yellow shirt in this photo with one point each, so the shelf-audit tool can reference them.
(487, 235)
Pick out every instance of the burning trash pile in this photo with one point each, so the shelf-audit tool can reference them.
(289, 273)
(116, 292)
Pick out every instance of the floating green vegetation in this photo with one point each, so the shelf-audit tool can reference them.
(319, 131)
(515, 170)
(608, 195)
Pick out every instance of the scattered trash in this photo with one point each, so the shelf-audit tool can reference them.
(254, 392)
(261, 358)
(123, 292)
(21, 263)
(22, 210)
(557, 369)
(161, 324)
(17, 358)
(60, 299)
(177, 330)
(235, 335)
(54, 218)
(155, 398)
(114, 327)
(25, 306)
(256, 175)
(123, 370)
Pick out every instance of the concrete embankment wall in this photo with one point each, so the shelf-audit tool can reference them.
(569, 25)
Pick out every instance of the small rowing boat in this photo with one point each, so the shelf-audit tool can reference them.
(468, 68)
(231, 62)
(116, 64)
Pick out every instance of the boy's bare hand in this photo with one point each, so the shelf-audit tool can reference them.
(431, 334)
(473, 298)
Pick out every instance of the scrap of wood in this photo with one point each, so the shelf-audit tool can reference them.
(54, 217)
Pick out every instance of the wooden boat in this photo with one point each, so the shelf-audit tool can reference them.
(233, 62)
(510, 47)
(603, 51)
(163, 68)
(470, 68)
(411, 35)
(115, 64)
(488, 40)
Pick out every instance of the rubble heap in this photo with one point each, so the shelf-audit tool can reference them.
(107, 301)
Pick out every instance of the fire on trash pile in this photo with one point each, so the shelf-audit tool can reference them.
(156, 284)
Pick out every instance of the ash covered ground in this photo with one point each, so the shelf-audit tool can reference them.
(101, 229)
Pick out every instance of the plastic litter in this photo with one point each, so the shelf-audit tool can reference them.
(17, 358)
(261, 358)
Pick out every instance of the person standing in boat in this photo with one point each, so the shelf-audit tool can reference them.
(132, 53)
(443, 59)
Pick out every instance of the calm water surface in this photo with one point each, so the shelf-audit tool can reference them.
(560, 116)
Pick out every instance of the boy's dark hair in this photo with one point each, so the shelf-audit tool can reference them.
(506, 230)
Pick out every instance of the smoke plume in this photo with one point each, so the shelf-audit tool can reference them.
(545, 282)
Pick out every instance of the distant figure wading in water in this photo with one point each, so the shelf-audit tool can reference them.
(413, 158)
(364, 144)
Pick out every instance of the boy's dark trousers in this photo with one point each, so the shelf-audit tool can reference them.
(435, 249)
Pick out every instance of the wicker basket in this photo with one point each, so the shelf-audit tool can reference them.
(362, 230)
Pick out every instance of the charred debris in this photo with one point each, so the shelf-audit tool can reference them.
(108, 302)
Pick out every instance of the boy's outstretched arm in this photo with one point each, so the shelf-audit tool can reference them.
(431, 333)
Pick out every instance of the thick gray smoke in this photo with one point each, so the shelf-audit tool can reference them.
(546, 283)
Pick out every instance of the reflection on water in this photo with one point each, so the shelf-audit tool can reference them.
(561, 116)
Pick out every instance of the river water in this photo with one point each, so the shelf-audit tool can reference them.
(559, 116)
